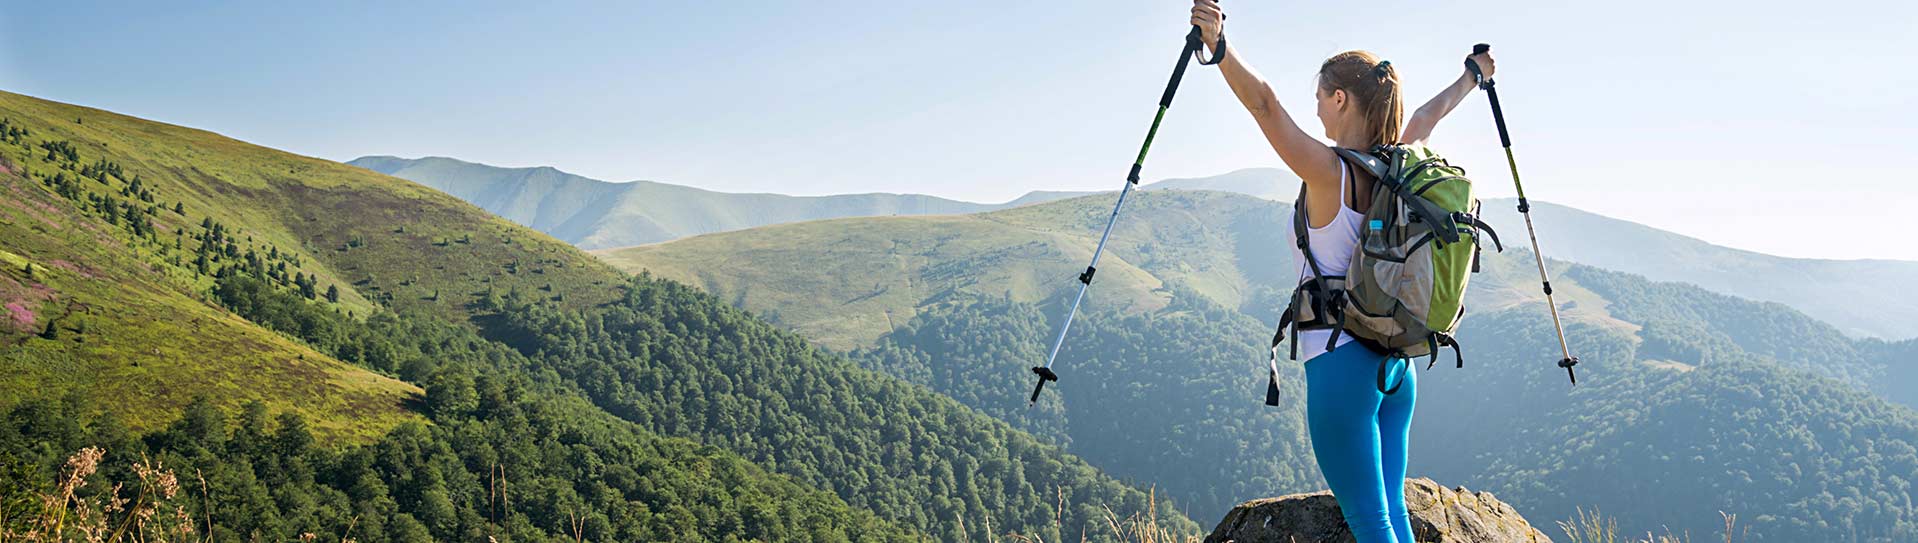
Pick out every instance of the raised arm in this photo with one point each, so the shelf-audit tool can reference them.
(1308, 158)
(1419, 127)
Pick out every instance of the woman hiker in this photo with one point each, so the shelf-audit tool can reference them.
(1358, 433)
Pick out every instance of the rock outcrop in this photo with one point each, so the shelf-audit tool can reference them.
(1439, 515)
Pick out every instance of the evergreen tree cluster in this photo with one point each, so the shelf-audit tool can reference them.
(135, 207)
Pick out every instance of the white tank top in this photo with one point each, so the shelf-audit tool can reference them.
(1332, 248)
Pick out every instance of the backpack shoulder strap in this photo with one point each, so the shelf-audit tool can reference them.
(1369, 162)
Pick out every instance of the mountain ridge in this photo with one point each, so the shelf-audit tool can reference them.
(600, 214)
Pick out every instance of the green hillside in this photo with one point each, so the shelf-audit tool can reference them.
(98, 311)
(846, 282)
(879, 271)
(396, 289)
(1169, 393)
(505, 457)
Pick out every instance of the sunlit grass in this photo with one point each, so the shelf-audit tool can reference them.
(1594, 527)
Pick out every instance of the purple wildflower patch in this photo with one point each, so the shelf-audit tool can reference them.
(20, 315)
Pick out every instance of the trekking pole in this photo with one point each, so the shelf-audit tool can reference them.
(1193, 48)
(1524, 208)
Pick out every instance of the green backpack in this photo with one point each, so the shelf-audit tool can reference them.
(1405, 290)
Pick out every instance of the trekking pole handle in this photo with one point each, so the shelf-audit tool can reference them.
(1195, 44)
(1491, 93)
(1477, 73)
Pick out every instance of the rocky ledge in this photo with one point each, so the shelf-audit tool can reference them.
(1439, 515)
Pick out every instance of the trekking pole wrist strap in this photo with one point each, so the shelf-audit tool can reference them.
(1218, 52)
(1195, 42)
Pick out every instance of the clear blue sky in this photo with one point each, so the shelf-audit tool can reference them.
(1769, 126)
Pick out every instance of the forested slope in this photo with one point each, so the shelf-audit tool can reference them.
(395, 283)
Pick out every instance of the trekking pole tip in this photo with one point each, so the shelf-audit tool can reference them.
(1567, 363)
(1045, 374)
(1272, 391)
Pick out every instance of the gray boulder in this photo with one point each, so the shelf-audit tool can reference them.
(1439, 515)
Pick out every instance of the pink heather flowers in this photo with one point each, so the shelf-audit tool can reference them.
(22, 317)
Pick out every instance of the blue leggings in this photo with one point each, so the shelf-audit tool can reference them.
(1359, 435)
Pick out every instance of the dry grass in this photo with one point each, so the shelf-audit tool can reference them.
(1594, 527)
(155, 512)
(1140, 527)
(149, 516)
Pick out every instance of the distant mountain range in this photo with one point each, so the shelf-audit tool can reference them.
(592, 214)
(595, 214)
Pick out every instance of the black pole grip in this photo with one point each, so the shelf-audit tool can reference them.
(1491, 93)
(1178, 70)
(1498, 114)
(1194, 46)
(1478, 74)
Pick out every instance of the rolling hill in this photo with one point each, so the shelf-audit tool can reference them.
(846, 282)
(1161, 376)
(1267, 183)
(443, 355)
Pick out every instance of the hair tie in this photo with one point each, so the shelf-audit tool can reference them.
(1380, 69)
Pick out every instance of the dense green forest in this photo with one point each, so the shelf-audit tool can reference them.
(1170, 397)
(1668, 428)
(1772, 329)
(503, 455)
(674, 360)
(631, 406)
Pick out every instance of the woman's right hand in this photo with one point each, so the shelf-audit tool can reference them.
(1485, 64)
(1209, 18)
